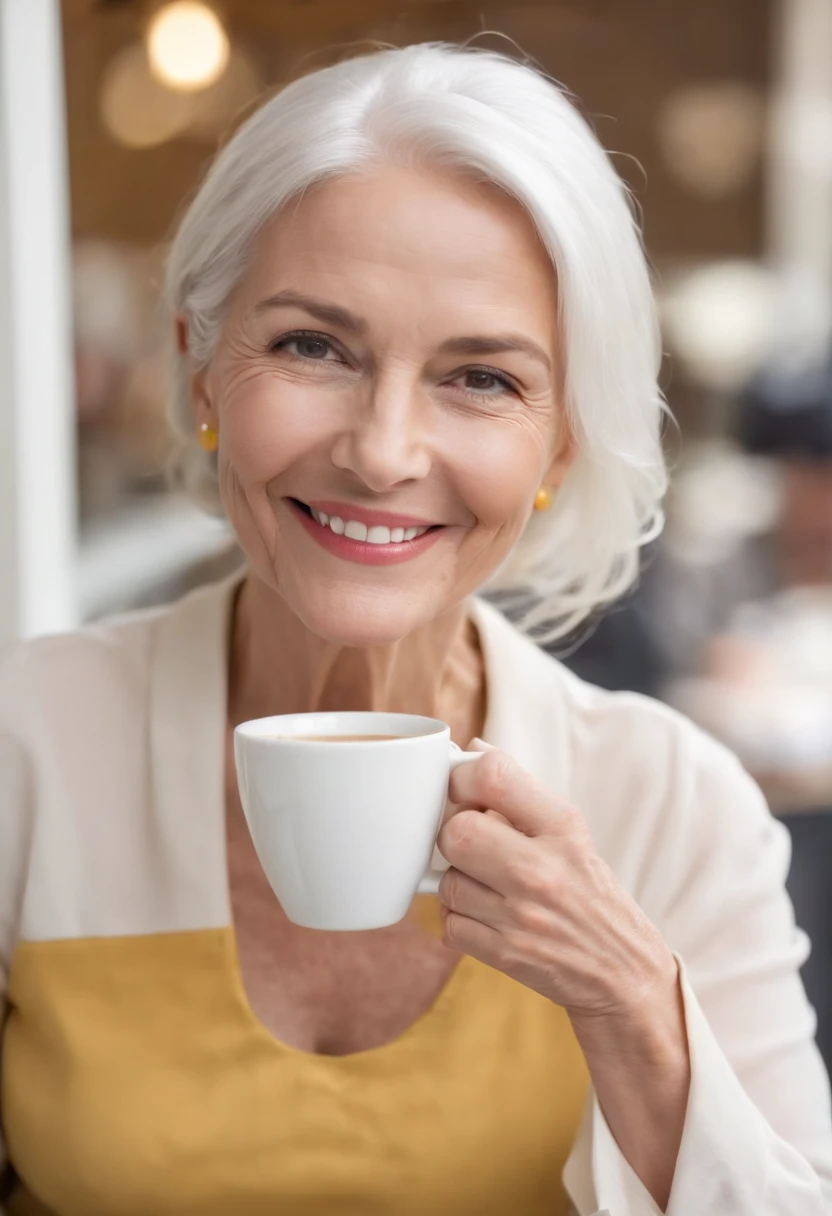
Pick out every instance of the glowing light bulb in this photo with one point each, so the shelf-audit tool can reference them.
(187, 46)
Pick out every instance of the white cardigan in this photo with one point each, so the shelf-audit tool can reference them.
(681, 824)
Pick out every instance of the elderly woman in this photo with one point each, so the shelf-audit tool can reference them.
(415, 355)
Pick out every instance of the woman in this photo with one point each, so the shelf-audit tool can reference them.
(410, 306)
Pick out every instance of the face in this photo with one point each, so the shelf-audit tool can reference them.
(389, 362)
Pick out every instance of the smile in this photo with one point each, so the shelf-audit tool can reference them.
(369, 544)
(376, 535)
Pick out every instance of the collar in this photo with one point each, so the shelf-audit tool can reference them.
(188, 719)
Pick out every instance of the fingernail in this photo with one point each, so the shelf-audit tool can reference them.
(479, 745)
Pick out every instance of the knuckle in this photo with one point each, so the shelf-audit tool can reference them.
(495, 771)
(449, 888)
(507, 953)
(533, 919)
(517, 867)
(458, 832)
(530, 875)
(573, 826)
(451, 932)
(539, 884)
(535, 879)
(574, 820)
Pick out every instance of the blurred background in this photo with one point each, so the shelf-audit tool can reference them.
(719, 116)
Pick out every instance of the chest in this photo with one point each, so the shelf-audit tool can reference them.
(135, 1080)
(331, 993)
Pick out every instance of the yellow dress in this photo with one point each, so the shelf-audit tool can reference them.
(138, 1082)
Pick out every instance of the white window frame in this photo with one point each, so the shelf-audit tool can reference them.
(38, 503)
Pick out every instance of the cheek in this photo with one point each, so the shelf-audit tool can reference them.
(501, 470)
(268, 424)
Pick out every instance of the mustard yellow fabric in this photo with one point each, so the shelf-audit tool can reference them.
(137, 1081)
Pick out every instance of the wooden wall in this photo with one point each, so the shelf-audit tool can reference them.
(621, 58)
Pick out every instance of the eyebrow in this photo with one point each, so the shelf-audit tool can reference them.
(496, 345)
(334, 314)
(330, 314)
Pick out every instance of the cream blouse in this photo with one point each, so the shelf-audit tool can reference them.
(111, 768)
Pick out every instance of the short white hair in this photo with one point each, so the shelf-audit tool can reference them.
(484, 114)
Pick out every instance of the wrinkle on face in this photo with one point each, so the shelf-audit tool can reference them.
(420, 258)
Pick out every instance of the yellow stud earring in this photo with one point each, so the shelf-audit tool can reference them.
(209, 437)
(542, 499)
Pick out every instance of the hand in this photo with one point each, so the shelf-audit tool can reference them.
(528, 894)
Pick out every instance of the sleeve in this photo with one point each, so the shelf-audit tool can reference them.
(15, 820)
(757, 1138)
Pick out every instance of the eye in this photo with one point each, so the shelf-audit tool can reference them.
(306, 345)
(485, 382)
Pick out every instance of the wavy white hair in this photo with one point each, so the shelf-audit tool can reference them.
(480, 113)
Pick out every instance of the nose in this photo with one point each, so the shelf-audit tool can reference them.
(385, 441)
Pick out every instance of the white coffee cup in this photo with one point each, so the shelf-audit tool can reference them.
(345, 831)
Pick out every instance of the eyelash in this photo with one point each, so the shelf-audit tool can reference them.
(299, 334)
(500, 377)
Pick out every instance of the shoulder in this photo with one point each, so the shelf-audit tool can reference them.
(659, 794)
(67, 675)
(69, 706)
(629, 732)
(675, 812)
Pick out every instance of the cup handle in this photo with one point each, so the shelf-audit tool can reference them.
(429, 883)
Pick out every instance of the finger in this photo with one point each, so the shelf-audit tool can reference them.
(498, 782)
(488, 850)
(473, 899)
(470, 937)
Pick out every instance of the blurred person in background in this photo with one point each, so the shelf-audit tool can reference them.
(764, 683)
(787, 416)
(416, 355)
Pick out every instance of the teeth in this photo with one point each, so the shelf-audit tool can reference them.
(377, 535)
(355, 531)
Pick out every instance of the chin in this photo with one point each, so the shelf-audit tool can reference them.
(376, 618)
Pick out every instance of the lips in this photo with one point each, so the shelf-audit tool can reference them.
(363, 540)
(353, 529)
(373, 529)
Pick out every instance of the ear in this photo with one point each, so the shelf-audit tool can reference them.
(201, 405)
(180, 329)
(565, 452)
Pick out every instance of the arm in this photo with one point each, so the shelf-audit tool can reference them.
(757, 1137)
(531, 897)
(640, 1069)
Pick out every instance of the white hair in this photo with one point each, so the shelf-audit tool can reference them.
(484, 114)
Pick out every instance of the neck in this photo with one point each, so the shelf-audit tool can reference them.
(278, 666)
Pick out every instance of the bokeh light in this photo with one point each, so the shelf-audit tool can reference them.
(711, 136)
(136, 109)
(187, 46)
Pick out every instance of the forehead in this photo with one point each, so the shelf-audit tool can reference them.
(435, 237)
